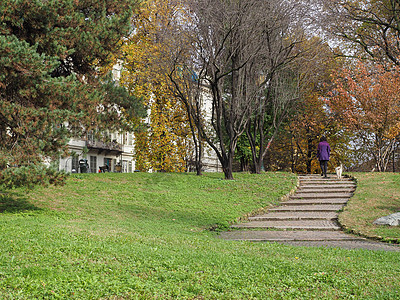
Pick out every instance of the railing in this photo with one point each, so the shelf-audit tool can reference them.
(110, 146)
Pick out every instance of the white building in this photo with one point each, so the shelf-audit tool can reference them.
(113, 156)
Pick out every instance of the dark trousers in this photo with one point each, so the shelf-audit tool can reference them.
(324, 166)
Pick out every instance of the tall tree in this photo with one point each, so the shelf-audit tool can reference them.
(163, 140)
(50, 56)
(186, 87)
(280, 96)
(228, 51)
(279, 87)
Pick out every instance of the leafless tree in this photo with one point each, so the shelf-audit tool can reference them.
(280, 95)
(234, 48)
(280, 88)
(190, 91)
(373, 26)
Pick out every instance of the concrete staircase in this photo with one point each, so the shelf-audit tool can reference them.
(308, 218)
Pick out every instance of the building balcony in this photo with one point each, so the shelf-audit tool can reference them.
(106, 147)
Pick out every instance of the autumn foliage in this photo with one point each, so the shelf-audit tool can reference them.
(163, 138)
(295, 147)
(366, 99)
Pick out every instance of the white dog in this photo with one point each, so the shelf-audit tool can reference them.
(339, 171)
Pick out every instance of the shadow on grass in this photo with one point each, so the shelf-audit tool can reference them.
(189, 218)
(12, 202)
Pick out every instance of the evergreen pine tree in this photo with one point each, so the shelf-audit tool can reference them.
(52, 79)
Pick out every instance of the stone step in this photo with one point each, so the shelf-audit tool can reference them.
(324, 186)
(308, 208)
(295, 216)
(321, 195)
(291, 224)
(304, 189)
(280, 236)
(324, 191)
(294, 201)
(332, 187)
(325, 182)
(319, 177)
(322, 178)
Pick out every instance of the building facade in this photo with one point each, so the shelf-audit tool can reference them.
(91, 155)
(94, 156)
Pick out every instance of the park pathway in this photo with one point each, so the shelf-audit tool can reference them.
(308, 218)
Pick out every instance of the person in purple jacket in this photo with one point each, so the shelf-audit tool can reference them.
(323, 153)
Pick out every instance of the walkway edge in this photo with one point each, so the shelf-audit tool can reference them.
(321, 230)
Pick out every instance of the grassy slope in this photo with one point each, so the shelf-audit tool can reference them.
(377, 195)
(141, 236)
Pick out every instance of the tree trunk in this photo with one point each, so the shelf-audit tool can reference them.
(293, 164)
(227, 168)
(199, 155)
(309, 154)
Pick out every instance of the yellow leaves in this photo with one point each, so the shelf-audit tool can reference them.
(393, 132)
(164, 145)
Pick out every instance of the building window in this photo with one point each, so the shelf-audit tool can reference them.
(130, 139)
(127, 139)
(75, 164)
(90, 136)
(107, 164)
(114, 164)
(130, 167)
(124, 166)
(93, 164)
(107, 136)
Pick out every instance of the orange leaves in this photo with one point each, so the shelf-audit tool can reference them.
(368, 98)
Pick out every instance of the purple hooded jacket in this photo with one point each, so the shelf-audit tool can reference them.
(323, 151)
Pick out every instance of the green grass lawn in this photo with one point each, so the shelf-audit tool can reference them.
(377, 195)
(146, 236)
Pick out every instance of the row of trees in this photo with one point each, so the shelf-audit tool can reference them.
(272, 83)
(255, 80)
(243, 58)
(358, 108)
